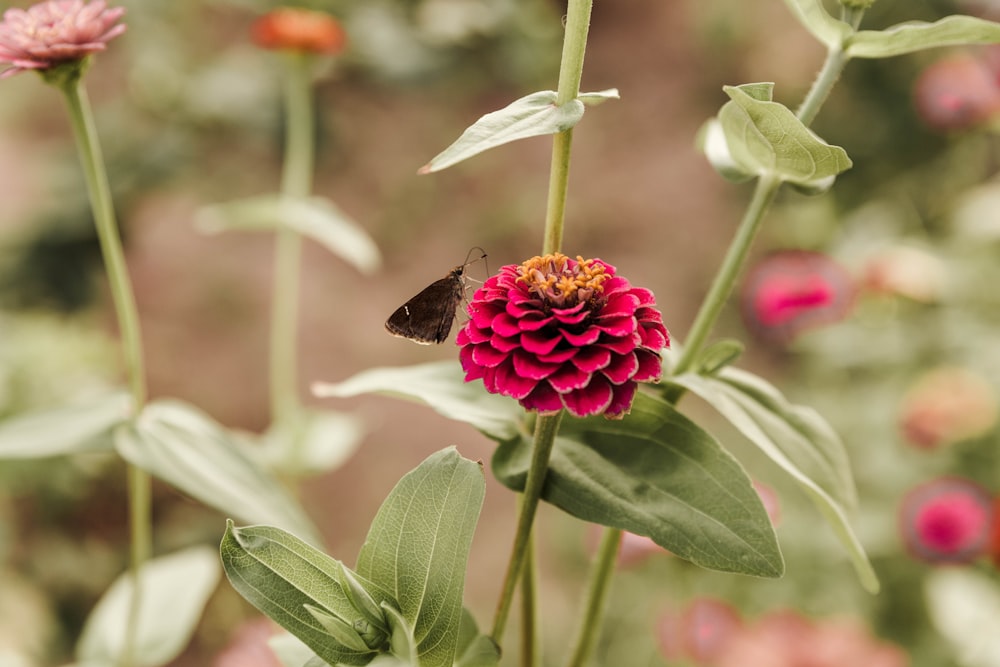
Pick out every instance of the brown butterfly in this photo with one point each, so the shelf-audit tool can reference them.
(427, 317)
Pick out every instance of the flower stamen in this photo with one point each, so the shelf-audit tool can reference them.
(562, 283)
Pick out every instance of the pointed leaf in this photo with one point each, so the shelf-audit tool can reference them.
(186, 448)
(531, 116)
(919, 35)
(817, 21)
(765, 137)
(600, 97)
(315, 217)
(656, 474)
(794, 437)
(711, 141)
(85, 426)
(439, 385)
(475, 649)
(282, 576)
(419, 545)
(174, 590)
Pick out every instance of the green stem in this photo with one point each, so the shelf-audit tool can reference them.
(529, 609)
(764, 192)
(825, 80)
(296, 181)
(123, 299)
(766, 188)
(570, 73)
(545, 435)
(597, 592)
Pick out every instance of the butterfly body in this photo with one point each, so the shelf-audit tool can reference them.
(428, 316)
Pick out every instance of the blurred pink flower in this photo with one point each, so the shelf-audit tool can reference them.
(771, 502)
(54, 32)
(788, 639)
(559, 333)
(947, 520)
(700, 632)
(248, 647)
(947, 405)
(791, 291)
(633, 550)
(958, 92)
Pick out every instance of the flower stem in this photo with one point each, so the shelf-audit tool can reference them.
(529, 609)
(123, 299)
(570, 73)
(764, 192)
(296, 181)
(545, 436)
(597, 591)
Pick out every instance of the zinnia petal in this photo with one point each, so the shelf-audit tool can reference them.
(593, 399)
(558, 333)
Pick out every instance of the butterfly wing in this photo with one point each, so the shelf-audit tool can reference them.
(427, 317)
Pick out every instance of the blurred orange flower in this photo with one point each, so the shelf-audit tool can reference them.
(294, 29)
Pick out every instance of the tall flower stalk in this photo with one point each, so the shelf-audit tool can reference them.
(299, 35)
(123, 298)
(546, 427)
(56, 39)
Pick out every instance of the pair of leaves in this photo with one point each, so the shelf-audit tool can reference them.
(754, 136)
(896, 40)
(533, 115)
(654, 473)
(169, 439)
(407, 588)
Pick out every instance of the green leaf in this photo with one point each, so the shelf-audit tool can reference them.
(174, 589)
(766, 138)
(531, 116)
(817, 21)
(440, 385)
(658, 474)
(186, 448)
(418, 547)
(317, 218)
(311, 442)
(284, 577)
(475, 649)
(600, 97)
(718, 355)
(83, 427)
(798, 440)
(711, 141)
(918, 35)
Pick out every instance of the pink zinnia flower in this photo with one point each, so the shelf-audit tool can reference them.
(55, 32)
(795, 290)
(947, 521)
(559, 333)
(700, 632)
(299, 30)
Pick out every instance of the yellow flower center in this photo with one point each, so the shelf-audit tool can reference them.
(561, 284)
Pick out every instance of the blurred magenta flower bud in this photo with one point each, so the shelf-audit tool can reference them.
(958, 92)
(947, 520)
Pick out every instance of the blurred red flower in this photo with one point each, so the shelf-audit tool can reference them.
(296, 29)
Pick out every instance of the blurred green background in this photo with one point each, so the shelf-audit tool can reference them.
(189, 112)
